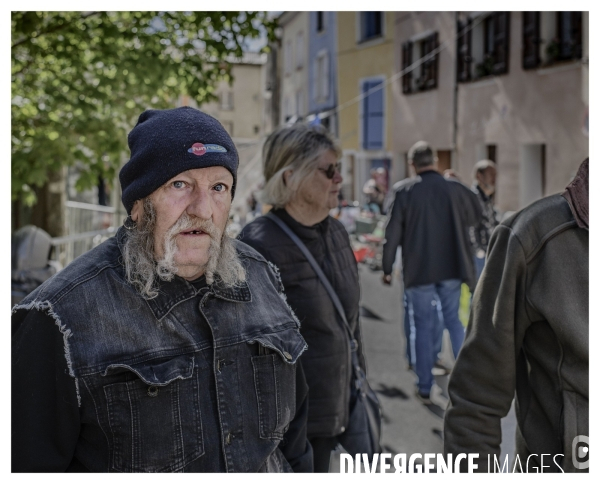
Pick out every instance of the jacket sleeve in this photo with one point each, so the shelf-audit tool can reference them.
(470, 205)
(295, 446)
(393, 234)
(482, 384)
(44, 407)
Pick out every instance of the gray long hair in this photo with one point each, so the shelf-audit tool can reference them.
(143, 269)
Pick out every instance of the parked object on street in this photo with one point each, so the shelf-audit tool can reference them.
(529, 333)
(368, 247)
(30, 261)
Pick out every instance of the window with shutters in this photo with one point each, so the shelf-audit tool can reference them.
(531, 40)
(371, 25)
(569, 35)
(550, 37)
(372, 114)
(463, 50)
(428, 78)
(424, 77)
(560, 37)
(407, 76)
(495, 59)
(483, 46)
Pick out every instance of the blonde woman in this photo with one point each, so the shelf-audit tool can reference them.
(302, 181)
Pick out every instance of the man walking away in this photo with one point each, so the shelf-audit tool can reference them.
(429, 219)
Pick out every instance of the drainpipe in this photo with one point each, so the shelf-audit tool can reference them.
(455, 106)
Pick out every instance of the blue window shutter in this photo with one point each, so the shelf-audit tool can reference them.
(373, 112)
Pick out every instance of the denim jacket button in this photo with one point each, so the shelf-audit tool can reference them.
(287, 355)
(152, 391)
(343, 429)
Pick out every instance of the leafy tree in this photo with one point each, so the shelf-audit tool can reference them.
(80, 79)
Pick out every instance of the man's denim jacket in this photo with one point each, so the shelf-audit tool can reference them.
(143, 367)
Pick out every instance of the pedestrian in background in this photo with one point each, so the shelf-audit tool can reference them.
(375, 190)
(302, 182)
(429, 219)
(529, 333)
(484, 186)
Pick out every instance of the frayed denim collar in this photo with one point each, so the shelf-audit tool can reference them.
(177, 290)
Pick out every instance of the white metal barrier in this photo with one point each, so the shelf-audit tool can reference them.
(87, 226)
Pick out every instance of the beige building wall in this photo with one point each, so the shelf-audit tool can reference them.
(426, 115)
(518, 112)
(294, 64)
(241, 110)
(358, 61)
(240, 107)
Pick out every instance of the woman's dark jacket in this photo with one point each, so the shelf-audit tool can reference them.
(326, 362)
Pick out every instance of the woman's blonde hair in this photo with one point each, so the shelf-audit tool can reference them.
(295, 148)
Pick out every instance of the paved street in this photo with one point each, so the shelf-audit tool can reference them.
(409, 426)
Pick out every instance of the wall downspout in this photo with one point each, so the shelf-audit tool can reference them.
(453, 161)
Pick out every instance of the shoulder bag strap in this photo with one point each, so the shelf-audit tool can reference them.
(317, 269)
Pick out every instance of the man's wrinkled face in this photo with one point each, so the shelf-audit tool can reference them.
(191, 209)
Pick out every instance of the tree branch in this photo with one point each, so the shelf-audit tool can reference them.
(54, 29)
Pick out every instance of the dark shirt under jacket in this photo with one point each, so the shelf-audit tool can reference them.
(430, 219)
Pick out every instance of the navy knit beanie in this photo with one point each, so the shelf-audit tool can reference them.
(167, 142)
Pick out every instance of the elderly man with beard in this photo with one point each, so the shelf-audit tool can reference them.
(169, 347)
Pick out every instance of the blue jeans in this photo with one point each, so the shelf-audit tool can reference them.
(422, 311)
(410, 332)
(479, 263)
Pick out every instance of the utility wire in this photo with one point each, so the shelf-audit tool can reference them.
(398, 75)
(446, 44)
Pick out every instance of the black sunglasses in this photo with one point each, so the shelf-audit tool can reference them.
(331, 169)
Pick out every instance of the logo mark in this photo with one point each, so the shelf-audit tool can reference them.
(580, 452)
(199, 149)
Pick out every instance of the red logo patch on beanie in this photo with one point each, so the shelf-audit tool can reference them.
(198, 149)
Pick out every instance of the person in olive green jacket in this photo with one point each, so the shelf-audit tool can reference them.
(528, 333)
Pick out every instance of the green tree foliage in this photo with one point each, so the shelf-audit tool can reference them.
(80, 79)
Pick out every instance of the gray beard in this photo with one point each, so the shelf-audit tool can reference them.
(143, 270)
